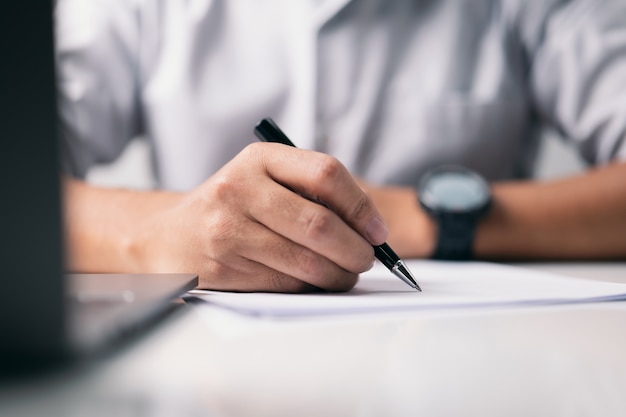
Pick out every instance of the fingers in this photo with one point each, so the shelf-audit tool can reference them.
(262, 260)
(292, 260)
(240, 254)
(250, 276)
(263, 235)
(311, 226)
(324, 178)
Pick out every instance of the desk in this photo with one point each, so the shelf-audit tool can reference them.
(537, 361)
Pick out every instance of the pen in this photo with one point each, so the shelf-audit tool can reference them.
(267, 131)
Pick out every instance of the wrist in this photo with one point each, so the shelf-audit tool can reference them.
(456, 199)
(138, 245)
(415, 234)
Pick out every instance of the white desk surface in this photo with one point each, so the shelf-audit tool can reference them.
(531, 361)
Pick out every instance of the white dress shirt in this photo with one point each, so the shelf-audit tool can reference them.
(390, 87)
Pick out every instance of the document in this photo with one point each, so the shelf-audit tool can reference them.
(445, 285)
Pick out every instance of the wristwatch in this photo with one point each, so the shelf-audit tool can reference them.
(456, 198)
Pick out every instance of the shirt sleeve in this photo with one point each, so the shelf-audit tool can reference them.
(97, 73)
(577, 73)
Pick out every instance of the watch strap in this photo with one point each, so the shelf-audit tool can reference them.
(456, 236)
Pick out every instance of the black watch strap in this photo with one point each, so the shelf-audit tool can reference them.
(456, 236)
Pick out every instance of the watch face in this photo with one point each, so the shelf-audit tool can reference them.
(454, 190)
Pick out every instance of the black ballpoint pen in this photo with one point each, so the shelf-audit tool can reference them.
(267, 131)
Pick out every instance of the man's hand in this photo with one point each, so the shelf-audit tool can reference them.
(247, 228)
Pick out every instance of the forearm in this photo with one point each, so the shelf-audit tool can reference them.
(226, 229)
(104, 227)
(582, 217)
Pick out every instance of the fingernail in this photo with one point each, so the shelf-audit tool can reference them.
(376, 231)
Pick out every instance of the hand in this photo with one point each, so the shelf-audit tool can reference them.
(411, 232)
(249, 228)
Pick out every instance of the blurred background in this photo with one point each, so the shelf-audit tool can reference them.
(557, 158)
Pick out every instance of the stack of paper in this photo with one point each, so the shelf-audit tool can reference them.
(445, 285)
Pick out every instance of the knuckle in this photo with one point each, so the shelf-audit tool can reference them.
(253, 150)
(309, 264)
(254, 154)
(317, 223)
(222, 187)
(328, 169)
(360, 207)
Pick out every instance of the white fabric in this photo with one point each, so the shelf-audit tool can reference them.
(390, 87)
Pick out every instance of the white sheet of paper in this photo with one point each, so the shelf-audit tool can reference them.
(445, 285)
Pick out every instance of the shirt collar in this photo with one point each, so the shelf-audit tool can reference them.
(325, 10)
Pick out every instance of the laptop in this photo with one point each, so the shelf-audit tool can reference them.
(47, 316)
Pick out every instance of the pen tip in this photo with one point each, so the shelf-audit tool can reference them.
(408, 276)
